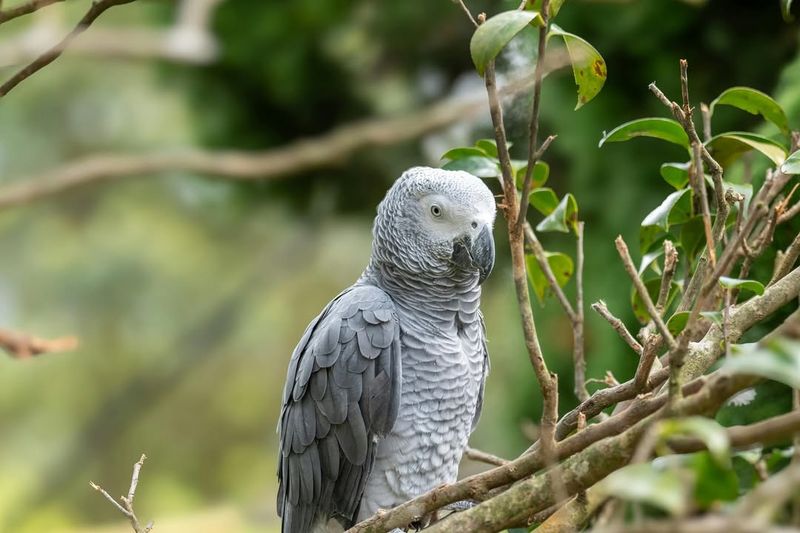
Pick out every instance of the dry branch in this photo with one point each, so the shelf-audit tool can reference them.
(302, 155)
(20, 346)
(98, 8)
(125, 505)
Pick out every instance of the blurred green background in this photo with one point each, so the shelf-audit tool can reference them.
(189, 293)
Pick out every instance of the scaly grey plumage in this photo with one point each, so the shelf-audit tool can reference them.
(386, 383)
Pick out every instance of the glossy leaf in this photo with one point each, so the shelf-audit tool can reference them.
(659, 128)
(786, 6)
(650, 236)
(742, 284)
(707, 430)
(494, 34)
(714, 481)
(552, 10)
(677, 322)
(588, 66)
(713, 316)
(481, 166)
(644, 483)
(676, 174)
(650, 259)
(728, 147)
(792, 164)
(754, 102)
(779, 360)
(541, 171)
(563, 218)
(693, 236)
(462, 152)
(488, 146)
(675, 209)
(543, 200)
(560, 264)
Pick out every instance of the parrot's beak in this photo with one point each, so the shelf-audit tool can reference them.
(475, 255)
(483, 253)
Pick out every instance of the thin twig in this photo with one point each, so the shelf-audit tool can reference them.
(126, 507)
(466, 11)
(700, 184)
(484, 457)
(578, 346)
(98, 8)
(601, 309)
(541, 259)
(533, 150)
(625, 255)
(667, 275)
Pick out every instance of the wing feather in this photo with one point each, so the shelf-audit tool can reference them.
(342, 391)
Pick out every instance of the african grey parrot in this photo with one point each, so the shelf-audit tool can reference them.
(386, 383)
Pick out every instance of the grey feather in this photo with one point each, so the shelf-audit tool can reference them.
(327, 448)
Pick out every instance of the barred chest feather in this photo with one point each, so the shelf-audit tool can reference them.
(443, 366)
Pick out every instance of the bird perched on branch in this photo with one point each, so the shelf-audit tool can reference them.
(386, 383)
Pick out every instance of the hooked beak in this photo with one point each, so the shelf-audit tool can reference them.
(478, 255)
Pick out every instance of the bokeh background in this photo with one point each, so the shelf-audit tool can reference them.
(189, 292)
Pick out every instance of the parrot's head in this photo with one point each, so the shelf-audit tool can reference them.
(436, 223)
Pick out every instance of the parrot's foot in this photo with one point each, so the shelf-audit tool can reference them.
(459, 506)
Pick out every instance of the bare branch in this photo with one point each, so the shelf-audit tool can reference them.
(126, 507)
(302, 155)
(668, 273)
(578, 346)
(20, 346)
(625, 255)
(24, 9)
(466, 11)
(601, 309)
(484, 457)
(533, 140)
(98, 8)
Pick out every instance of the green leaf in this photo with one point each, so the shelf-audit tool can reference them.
(714, 482)
(541, 171)
(563, 218)
(779, 360)
(645, 483)
(495, 33)
(659, 128)
(786, 6)
(728, 147)
(675, 209)
(677, 322)
(588, 66)
(552, 10)
(649, 258)
(560, 264)
(483, 167)
(693, 236)
(707, 430)
(713, 316)
(754, 102)
(649, 236)
(543, 200)
(742, 284)
(792, 164)
(488, 146)
(676, 174)
(463, 152)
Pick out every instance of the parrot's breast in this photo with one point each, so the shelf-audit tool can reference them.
(442, 366)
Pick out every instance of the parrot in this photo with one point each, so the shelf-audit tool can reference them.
(386, 383)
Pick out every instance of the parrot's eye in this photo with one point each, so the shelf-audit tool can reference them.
(436, 211)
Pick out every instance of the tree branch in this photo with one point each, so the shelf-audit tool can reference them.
(21, 346)
(98, 8)
(126, 507)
